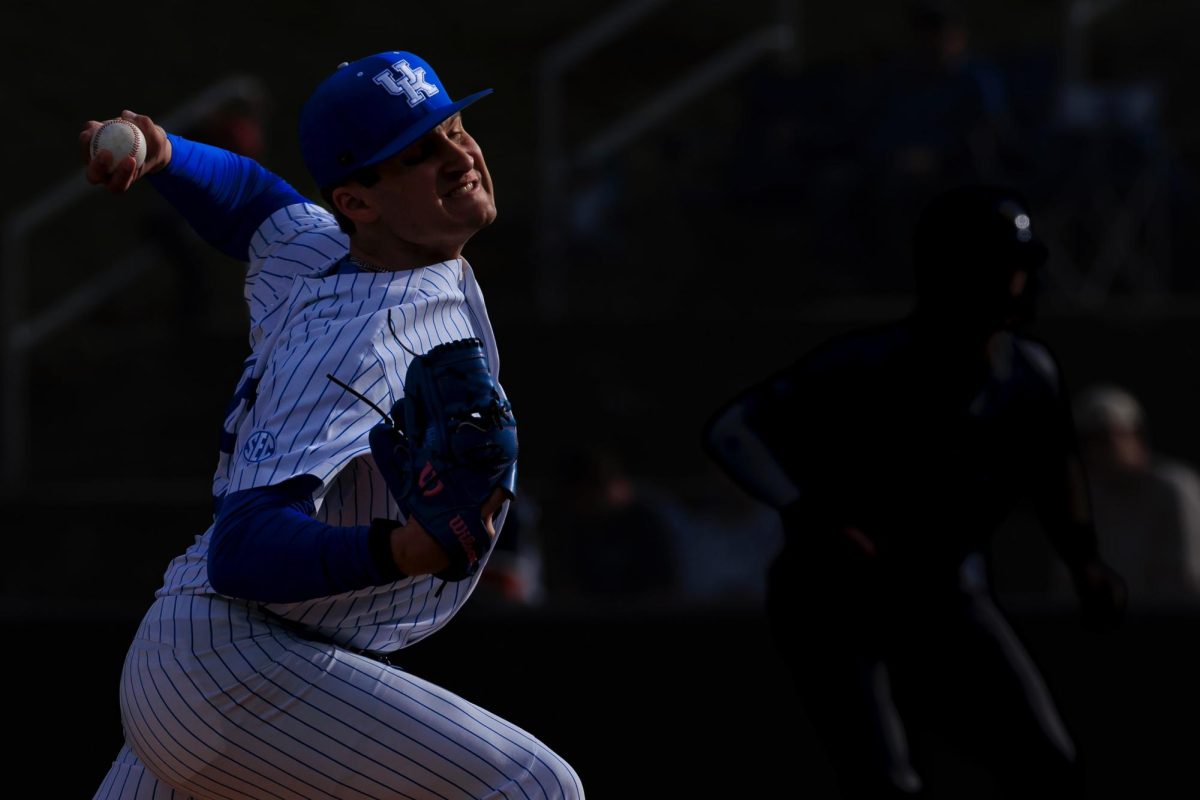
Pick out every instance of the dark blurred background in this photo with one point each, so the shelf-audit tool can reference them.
(691, 195)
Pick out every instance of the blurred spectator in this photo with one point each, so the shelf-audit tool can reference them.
(606, 534)
(593, 212)
(514, 570)
(835, 159)
(938, 115)
(797, 169)
(725, 543)
(940, 107)
(1147, 506)
(238, 126)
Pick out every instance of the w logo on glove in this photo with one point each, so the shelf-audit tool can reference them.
(428, 476)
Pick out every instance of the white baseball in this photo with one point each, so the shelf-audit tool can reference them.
(121, 138)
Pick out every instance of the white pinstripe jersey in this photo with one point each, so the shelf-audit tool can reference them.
(288, 419)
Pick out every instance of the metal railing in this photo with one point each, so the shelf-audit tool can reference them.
(559, 158)
(22, 331)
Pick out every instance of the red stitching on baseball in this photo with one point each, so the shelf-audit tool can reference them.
(137, 137)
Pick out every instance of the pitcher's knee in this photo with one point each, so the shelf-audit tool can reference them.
(549, 777)
(568, 782)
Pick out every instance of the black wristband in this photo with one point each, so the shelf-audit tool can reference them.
(379, 543)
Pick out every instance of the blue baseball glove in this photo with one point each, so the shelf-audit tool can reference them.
(451, 441)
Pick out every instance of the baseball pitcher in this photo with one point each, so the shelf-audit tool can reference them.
(367, 461)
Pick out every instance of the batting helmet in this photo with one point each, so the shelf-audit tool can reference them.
(969, 241)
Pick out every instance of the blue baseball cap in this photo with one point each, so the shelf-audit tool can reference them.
(370, 109)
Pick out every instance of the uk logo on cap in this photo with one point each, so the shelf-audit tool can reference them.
(411, 82)
(370, 109)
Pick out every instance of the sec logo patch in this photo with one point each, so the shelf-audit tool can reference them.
(260, 446)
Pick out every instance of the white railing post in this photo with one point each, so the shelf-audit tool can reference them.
(22, 333)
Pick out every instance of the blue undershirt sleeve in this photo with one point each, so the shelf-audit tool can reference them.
(222, 195)
(267, 547)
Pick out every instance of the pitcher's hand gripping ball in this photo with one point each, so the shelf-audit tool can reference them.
(121, 138)
(451, 441)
